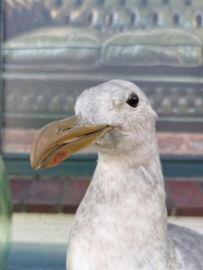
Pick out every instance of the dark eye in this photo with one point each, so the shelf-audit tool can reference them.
(133, 100)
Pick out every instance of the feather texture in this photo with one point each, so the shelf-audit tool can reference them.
(121, 222)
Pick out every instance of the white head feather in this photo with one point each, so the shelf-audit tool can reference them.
(134, 135)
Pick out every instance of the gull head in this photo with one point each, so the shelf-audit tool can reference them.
(115, 117)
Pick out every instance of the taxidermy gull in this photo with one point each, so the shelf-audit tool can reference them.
(121, 224)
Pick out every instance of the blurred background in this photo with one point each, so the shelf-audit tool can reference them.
(51, 50)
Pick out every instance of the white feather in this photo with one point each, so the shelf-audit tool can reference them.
(121, 223)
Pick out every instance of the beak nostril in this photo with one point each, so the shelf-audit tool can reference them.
(62, 130)
(68, 128)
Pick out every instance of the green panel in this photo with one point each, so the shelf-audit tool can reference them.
(84, 165)
(77, 165)
(5, 216)
(182, 166)
(1, 92)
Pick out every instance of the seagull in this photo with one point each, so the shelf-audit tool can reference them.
(121, 223)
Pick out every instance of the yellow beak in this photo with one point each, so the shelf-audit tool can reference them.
(60, 139)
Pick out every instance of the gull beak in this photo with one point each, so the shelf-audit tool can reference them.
(60, 139)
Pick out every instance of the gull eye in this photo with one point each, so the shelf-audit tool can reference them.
(133, 100)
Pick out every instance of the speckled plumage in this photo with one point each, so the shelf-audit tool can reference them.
(121, 223)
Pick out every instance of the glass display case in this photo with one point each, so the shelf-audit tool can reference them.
(52, 50)
(5, 216)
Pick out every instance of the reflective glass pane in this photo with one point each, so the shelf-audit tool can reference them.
(5, 216)
(30, 104)
(53, 50)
